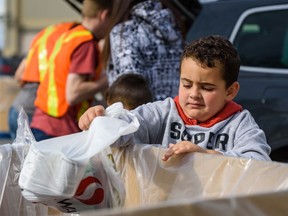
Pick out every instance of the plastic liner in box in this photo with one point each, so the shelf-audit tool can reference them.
(198, 184)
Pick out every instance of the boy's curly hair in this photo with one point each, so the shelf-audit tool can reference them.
(212, 49)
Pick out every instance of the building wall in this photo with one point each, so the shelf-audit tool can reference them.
(24, 18)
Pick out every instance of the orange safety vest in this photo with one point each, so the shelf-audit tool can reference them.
(36, 60)
(51, 94)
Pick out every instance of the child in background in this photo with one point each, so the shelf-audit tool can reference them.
(203, 117)
(130, 89)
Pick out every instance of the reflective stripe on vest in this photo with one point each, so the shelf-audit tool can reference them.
(42, 52)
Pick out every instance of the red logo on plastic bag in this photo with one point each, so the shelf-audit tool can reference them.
(98, 194)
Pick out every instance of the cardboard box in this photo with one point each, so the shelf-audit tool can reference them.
(198, 184)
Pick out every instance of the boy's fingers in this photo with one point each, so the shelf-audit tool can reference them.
(168, 154)
(86, 119)
(165, 158)
(84, 123)
(98, 111)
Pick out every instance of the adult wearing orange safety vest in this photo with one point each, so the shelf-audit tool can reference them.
(28, 73)
(67, 66)
(38, 53)
(55, 68)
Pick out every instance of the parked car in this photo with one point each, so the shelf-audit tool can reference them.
(259, 31)
(8, 66)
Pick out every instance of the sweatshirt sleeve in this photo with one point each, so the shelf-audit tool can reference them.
(152, 118)
(250, 140)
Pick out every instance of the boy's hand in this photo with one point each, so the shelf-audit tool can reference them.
(185, 147)
(87, 117)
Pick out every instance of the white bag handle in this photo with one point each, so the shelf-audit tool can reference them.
(105, 130)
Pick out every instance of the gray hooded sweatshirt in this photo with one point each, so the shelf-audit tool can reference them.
(235, 135)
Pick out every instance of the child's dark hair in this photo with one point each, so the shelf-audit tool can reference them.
(212, 49)
(91, 8)
(130, 89)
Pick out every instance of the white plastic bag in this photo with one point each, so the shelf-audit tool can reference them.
(11, 160)
(5, 160)
(73, 173)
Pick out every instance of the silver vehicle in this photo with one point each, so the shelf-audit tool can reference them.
(259, 31)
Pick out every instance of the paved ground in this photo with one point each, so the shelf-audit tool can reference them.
(5, 141)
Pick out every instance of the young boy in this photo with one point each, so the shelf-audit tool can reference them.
(203, 117)
(130, 89)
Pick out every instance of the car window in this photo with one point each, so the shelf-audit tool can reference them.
(262, 39)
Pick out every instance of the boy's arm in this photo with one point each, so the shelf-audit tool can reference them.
(250, 140)
(252, 144)
(79, 89)
(19, 71)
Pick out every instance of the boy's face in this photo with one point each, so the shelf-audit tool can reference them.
(202, 91)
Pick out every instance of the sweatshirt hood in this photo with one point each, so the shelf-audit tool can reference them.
(161, 19)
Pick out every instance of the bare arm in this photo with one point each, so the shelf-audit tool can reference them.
(78, 89)
(19, 71)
